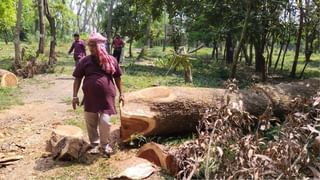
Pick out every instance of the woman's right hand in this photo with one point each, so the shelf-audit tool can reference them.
(75, 102)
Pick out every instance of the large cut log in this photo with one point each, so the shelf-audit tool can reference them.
(168, 110)
(7, 79)
(67, 143)
(158, 155)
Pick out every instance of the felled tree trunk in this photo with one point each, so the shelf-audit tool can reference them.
(170, 110)
(8, 79)
(67, 143)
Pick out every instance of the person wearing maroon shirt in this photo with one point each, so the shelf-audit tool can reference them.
(99, 96)
(117, 45)
(79, 48)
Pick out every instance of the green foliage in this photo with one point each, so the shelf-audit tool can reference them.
(7, 15)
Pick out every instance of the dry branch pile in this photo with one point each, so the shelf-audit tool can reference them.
(230, 145)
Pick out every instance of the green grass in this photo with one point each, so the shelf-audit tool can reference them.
(9, 97)
(97, 170)
(78, 118)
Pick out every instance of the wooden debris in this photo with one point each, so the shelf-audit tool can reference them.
(7, 79)
(157, 154)
(5, 161)
(67, 143)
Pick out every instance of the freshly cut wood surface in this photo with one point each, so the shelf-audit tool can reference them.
(67, 143)
(8, 79)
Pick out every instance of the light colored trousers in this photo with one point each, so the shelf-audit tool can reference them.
(95, 121)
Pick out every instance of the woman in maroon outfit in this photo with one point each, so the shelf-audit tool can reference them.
(99, 70)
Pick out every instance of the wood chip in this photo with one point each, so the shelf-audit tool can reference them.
(9, 159)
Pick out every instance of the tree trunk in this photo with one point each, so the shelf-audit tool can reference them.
(165, 36)
(279, 55)
(187, 74)
(130, 48)
(52, 56)
(17, 35)
(7, 79)
(42, 27)
(67, 143)
(271, 52)
(109, 24)
(284, 53)
(229, 49)
(147, 38)
(250, 55)
(260, 61)
(79, 14)
(172, 110)
(157, 154)
(298, 43)
(6, 38)
(245, 53)
(141, 54)
(241, 42)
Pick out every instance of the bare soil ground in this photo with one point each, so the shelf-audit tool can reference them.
(24, 130)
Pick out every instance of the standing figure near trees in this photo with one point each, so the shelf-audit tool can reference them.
(100, 71)
(79, 48)
(117, 45)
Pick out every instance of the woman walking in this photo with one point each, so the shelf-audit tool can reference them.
(99, 69)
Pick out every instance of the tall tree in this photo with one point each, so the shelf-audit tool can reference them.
(41, 27)
(241, 41)
(17, 35)
(109, 25)
(52, 23)
(298, 41)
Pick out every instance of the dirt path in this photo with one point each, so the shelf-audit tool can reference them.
(24, 130)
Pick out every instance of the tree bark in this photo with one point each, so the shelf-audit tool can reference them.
(41, 27)
(250, 55)
(17, 35)
(147, 39)
(260, 60)
(6, 38)
(130, 48)
(284, 53)
(187, 74)
(279, 55)
(172, 110)
(298, 42)
(52, 56)
(67, 143)
(229, 49)
(7, 79)
(271, 52)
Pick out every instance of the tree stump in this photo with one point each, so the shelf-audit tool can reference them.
(67, 143)
(8, 79)
(171, 110)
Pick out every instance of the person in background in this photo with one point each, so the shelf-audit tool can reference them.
(102, 75)
(117, 45)
(79, 48)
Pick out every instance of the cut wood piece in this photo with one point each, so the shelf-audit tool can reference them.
(157, 154)
(170, 110)
(138, 171)
(8, 79)
(67, 143)
(10, 159)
